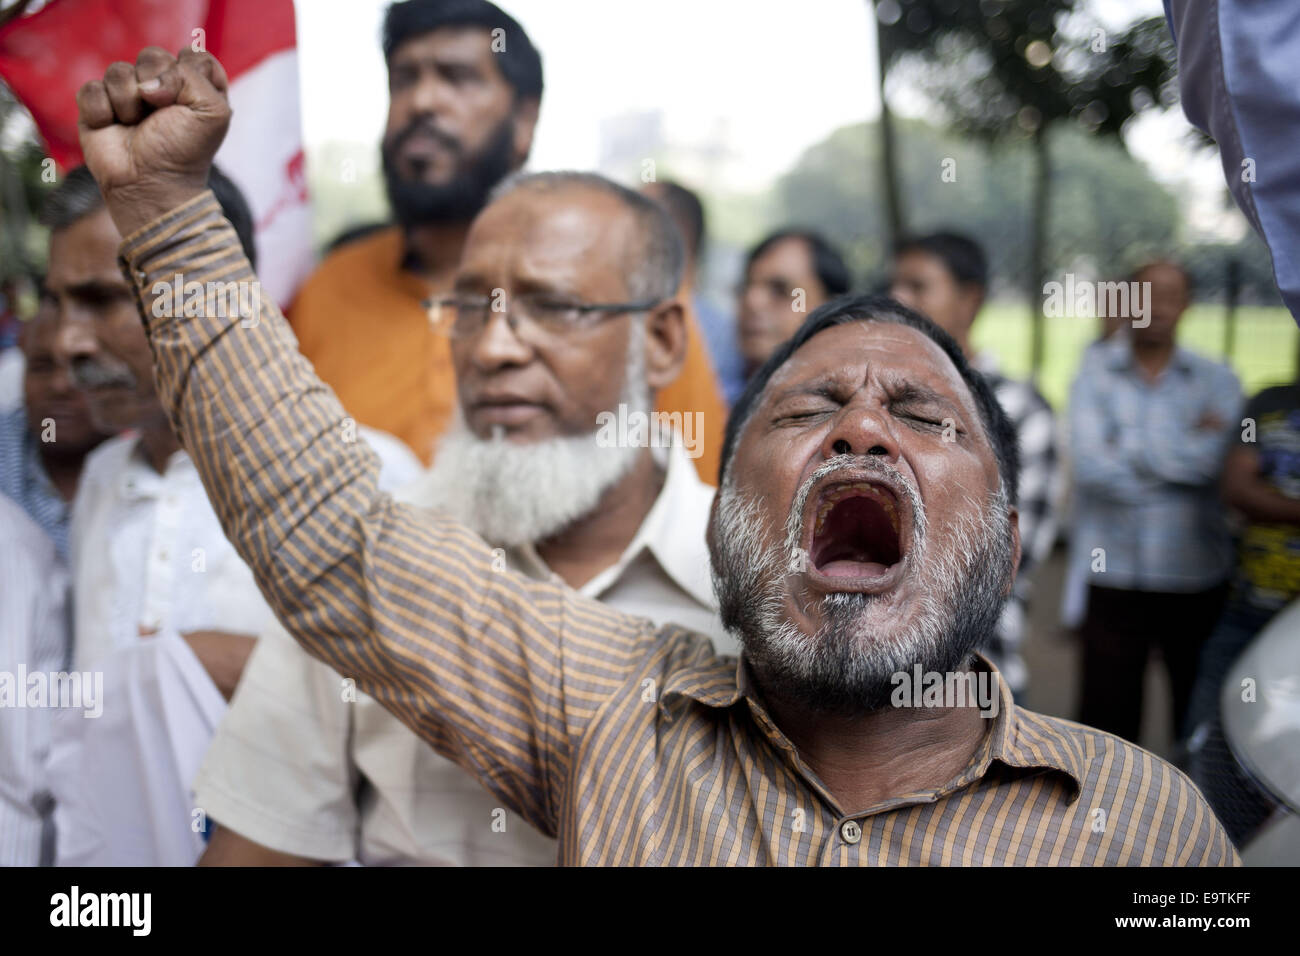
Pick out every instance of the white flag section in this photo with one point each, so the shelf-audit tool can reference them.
(263, 154)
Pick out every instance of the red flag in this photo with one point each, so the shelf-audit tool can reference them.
(46, 56)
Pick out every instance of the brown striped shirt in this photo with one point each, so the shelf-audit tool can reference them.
(631, 745)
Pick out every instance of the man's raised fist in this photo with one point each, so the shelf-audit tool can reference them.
(149, 131)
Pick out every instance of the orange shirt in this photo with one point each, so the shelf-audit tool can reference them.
(359, 321)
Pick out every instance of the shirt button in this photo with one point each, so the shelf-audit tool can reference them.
(851, 832)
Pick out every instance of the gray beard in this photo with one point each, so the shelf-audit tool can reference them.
(512, 494)
(846, 668)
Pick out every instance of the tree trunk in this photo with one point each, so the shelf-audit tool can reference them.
(895, 221)
(1038, 246)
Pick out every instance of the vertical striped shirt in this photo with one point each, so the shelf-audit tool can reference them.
(631, 744)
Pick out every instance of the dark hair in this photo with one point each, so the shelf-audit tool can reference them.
(520, 63)
(878, 308)
(236, 210)
(655, 271)
(78, 196)
(828, 264)
(71, 200)
(1188, 280)
(961, 255)
(687, 211)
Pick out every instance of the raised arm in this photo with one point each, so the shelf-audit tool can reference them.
(405, 602)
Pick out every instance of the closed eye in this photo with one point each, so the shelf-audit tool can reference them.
(802, 415)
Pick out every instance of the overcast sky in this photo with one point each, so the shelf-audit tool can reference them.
(779, 76)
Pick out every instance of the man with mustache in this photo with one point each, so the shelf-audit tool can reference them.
(866, 441)
(162, 604)
(44, 441)
(304, 771)
(465, 87)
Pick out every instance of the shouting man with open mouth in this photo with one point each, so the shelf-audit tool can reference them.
(865, 526)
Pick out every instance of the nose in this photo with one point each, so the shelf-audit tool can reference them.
(74, 340)
(429, 97)
(498, 345)
(862, 428)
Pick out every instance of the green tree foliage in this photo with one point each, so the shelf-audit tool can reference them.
(23, 185)
(1005, 70)
(1108, 211)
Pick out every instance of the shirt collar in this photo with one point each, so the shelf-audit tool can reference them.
(139, 481)
(671, 534)
(1018, 738)
(683, 505)
(717, 682)
(1119, 355)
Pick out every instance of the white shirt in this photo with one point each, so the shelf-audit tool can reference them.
(150, 563)
(304, 765)
(33, 640)
(12, 368)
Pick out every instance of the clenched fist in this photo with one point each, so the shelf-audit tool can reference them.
(149, 131)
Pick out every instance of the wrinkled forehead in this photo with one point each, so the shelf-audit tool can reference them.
(856, 353)
(564, 231)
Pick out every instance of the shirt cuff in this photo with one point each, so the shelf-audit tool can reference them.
(145, 252)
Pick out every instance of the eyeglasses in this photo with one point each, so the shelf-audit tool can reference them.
(461, 315)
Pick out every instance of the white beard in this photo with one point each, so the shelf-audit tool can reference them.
(511, 493)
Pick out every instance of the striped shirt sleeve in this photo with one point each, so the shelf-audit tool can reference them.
(404, 601)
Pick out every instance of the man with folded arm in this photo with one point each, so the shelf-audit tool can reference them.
(856, 538)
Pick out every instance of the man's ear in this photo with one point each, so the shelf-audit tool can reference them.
(665, 347)
(1013, 516)
(523, 125)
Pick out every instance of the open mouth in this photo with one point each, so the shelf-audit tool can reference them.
(857, 534)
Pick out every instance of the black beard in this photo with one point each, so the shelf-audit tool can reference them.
(416, 203)
(828, 674)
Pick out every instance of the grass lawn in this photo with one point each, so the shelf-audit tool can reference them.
(1265, 351)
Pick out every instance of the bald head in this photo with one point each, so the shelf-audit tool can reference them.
(652, 253)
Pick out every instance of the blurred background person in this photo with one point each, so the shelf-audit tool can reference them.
(297, 772)
(45, 439)
(945, 276)
(787, 275)
(461, 116)
(162, 604)
(1150, 423)
(11, 358)
(33, 639)
(718, 327)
